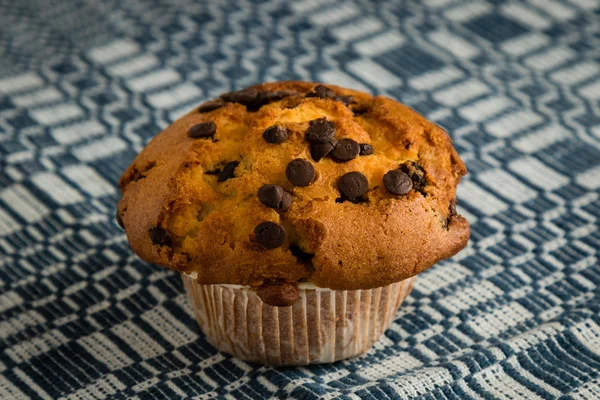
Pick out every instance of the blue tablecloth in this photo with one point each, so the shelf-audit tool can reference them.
(85, 84)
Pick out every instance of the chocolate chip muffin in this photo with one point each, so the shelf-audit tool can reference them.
(290, 183)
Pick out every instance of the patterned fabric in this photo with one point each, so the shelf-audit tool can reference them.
(85, 84)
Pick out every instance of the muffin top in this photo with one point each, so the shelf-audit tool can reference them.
(294, 181)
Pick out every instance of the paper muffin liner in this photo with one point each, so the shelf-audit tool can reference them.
(322, 326)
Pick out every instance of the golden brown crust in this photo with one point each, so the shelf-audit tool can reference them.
(178, 216)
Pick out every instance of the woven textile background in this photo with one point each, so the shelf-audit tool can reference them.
(84, 84)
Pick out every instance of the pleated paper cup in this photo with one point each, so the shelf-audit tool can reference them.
(322, 326)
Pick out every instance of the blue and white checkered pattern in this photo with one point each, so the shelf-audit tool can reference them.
(85, 84)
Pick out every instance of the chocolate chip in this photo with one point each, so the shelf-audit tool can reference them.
(345, 150)
(356, 200)
(256, 105)
(224, 171)
(203, 130)
(353, 185)
(160, 236)
(119, 220)
(300, 172)
(271, 97)
(321, 91)
(346, 99)
(417, 175)
(302, 256)
(276, 134)
(228, 171)
(215, 171)
(286, 202)
(324, 92)
(320, 150)
(275, 197)
(366, 149)
(254, 100)
(269, 234)
(279, 294)
(360, 109)
(270, 195)
(397, 182)
(244, 96)
(210, 106)
(320, 131)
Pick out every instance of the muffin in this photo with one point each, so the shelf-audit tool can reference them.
(298, 215)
